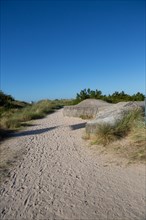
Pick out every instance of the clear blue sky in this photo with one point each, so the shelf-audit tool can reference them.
(53, 49)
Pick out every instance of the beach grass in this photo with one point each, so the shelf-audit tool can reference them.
(12, 119)
(127, 137)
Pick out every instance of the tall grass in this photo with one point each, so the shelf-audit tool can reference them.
(107, 133)
(13, 118)
(127, 136)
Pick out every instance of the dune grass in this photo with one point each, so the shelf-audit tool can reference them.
(107, 133)
(127, 136)
(14, 118)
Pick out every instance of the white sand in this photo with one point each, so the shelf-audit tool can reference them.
(60, 177)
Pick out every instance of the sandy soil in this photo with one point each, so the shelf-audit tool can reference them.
(61, 177)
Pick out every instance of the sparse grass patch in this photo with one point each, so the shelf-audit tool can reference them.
(137, 139)
(9, 157)
(86, 117)
(86, 136)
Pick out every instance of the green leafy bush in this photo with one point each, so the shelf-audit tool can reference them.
(113, 98)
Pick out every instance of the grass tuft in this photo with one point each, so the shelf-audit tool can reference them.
(86, 117)
(107, 133)
(131, 128)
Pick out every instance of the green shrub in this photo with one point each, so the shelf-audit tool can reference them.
(113, 98)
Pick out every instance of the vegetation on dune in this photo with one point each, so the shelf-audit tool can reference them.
(14, 113)
(114, 98)
(108, 132)
(132, 128)
(8, 102)
(5, 99)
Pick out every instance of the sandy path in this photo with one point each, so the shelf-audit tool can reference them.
(59, 177)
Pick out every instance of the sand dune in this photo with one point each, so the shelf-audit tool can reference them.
(60, 177)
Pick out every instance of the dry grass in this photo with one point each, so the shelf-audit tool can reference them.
(13, 118)
(127, 137)
(86, 117)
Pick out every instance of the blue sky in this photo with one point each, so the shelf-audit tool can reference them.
(54, 49)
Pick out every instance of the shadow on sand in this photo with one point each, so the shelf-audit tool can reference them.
(78, 126)
(33, 132)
